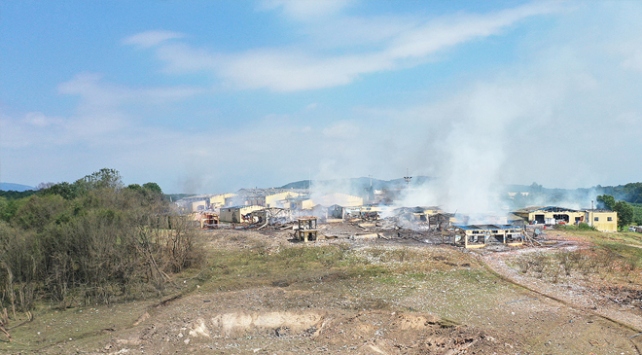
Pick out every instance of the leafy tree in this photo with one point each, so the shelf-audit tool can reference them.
(134, 187)
(104, 178)
(10, 207)
(625, 213)
(637, 214)
(153, 187)
(38, 211)
(535, 188)
(606, 202)
(66, 190)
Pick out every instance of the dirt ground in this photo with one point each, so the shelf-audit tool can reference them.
(354, 293)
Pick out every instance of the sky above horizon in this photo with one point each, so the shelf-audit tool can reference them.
(213, 96)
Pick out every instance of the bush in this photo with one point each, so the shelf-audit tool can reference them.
(578, 227)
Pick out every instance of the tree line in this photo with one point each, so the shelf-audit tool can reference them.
(90, 241)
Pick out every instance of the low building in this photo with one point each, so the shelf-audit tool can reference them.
(236, 214)
(483, 234)
(281, 199)
(336, 198)
(220, 200)
(272, 216)
(197, 206)
(551, 215)
(206, 202)
(602, 220)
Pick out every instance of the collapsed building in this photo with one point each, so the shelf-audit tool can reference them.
(271, 216)
(480, 235)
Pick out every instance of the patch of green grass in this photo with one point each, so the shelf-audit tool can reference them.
(254, 267)
(388, 280)
(419, 276)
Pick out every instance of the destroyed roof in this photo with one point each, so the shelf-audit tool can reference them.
(546, 209)
(486, 226)
(240, 207)
(417, 209)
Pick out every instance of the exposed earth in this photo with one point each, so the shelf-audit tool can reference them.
(263, 293)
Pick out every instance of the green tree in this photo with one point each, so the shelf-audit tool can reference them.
(606, 202)
(625, 214)
(38, 211)
(153, 187)
(104, 178)
(66, 190)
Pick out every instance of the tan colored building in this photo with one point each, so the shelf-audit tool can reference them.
(235, 214)
(336, 198)
(602, 220)
(281, 199)
(217, 201)
(205, 202)
(196, 206)
(482, 234)
(551, 215)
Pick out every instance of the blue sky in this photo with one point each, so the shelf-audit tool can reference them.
(213, 96)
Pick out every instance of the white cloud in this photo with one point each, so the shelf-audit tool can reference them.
(342, 130)
(99, 116)
(305, 66)
(151, 38)
(306, 10)
(633, 60)
(94, 92)
(453, 30)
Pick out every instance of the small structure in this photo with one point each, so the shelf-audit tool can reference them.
(237, 214)
(271, 216)
(281, 199)
(203, 202)
(366, 213)
(551, 215)
(307, 228)
(336, 198)
(602, 220)
(441, 221)
(476, 236)
(209, 220)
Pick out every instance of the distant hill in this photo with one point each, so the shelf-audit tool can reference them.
(303, 184)
(7, 186)
(356, 185)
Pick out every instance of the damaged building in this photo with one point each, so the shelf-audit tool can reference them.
(480, 235)
(602, 220)
(237, 214)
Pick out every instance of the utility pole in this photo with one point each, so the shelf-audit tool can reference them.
(407, 177)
